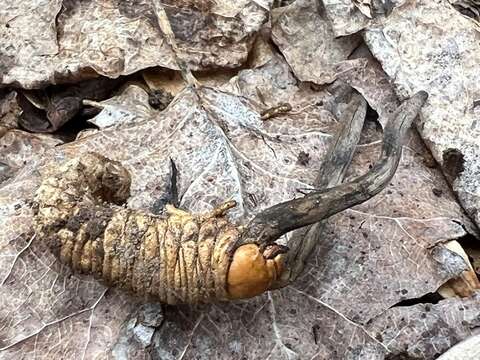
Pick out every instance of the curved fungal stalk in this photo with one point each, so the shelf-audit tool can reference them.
(184, 257)
(282, 218)
(332, 172)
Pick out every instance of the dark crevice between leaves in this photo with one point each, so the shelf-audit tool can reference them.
(60, 107)
(65, 115)
(453, 164)
(429, 298)
(70, 131)
(373, 116)
(281, 3)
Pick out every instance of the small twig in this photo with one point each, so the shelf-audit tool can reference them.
(92, 103)
(166, 28)
(275, 111)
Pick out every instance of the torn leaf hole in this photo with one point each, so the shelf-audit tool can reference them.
(372, 116)
(453, 164)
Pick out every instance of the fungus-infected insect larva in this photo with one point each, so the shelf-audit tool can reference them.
(179, 258)
(183, 257)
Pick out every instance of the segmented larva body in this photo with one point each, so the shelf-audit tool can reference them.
(177, 258)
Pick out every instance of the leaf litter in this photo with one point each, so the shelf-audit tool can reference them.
(365, 291)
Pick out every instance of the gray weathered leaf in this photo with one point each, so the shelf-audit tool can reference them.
(430, 46)
(9, 110)
(131, 106)
(365, 7)
(347, 18)
(301, 25)
(422, 331)
(311, 56)
(468, 8)
(467, 349)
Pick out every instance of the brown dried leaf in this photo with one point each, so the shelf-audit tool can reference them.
(71, 38)
(9, 109)
(467, 283)
(172, 82)
(47, 110)
(372, 82)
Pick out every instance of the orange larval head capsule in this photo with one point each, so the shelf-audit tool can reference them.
(252, 272)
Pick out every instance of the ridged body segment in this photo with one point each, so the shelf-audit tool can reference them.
(177, 258)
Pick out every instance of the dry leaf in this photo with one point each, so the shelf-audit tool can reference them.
(9, 109)
(424, 331)
(468, 8)
(75, 39)
(348, 18)
(467, 349)
(365, 7)
(430, 46)
(467, 283)
(301, 25)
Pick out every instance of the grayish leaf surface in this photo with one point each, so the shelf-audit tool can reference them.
(301, 25)
(351, 16)
(374, 260)
(430, 46)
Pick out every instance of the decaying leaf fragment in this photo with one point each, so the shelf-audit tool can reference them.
(425, 330)
(469, 8)
(17, 146)
(467, 283)
(49, 109)
(351, 16)
(9, 109)
(466, 349)
(365, 7)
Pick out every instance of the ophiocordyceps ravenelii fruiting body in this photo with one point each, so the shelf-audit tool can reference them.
(183, 257)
